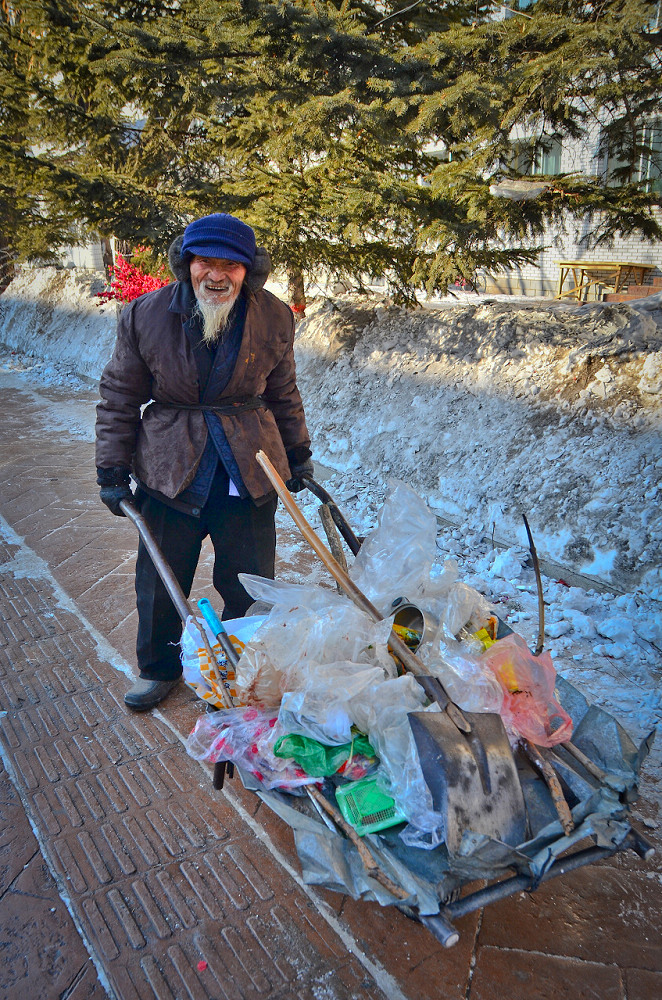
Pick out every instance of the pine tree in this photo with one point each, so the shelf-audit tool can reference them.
(311, 119)
(556, 69)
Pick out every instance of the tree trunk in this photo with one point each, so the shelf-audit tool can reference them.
(107, 254)
(7, 269)
(295, 291)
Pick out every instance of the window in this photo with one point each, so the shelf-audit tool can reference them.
(537, 156)
(650, 161)
(644, 164)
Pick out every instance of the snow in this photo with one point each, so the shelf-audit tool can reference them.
(489, 409)
(497, 409)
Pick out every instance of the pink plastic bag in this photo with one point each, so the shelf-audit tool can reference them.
(241, 735)
(530, 708)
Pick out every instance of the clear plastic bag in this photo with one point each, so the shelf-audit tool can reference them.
(460, 607)
(467, 681)
(306, 625)
(530, 707)
(241, 735)
(397, 555)
(381, 712)
(432, 594)
(318, 701)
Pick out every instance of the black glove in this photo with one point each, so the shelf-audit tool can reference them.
(296, 483)
(115, 486)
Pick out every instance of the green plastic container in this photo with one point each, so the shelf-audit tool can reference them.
(366, 808)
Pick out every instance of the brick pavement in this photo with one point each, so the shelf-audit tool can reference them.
(158, 871)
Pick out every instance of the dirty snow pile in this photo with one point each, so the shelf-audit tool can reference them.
(494, 409)
(55, 314)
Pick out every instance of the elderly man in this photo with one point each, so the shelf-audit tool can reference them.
(212, 355)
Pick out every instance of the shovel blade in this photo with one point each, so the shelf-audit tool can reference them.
(472, 777)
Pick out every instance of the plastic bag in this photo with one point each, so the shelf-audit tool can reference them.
(467, 680)
(319, 704)
(241, 736)
(530, 708)
(432, 593)
(320, 761)
(397, 555)
(201, 675)
(381, 712)
(305, 625)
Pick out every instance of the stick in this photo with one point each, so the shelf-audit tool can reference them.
(586, 762)
(409, 660)
(541, 600)
(333, 538)
(552, 782)
(593, 769)
(369, 863)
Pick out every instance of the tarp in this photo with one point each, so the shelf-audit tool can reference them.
(599, 810)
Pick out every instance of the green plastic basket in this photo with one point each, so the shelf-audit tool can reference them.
(366, 808)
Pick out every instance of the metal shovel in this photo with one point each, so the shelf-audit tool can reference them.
(466, 757)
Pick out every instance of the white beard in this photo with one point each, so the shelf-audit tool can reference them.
(214, 317)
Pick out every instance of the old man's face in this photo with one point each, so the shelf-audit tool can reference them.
(216, 284)
(216, 281)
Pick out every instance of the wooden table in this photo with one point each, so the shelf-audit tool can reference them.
(615, 274)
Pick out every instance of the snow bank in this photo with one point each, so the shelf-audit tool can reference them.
(488, 409)
(54, 314)
(497, 409)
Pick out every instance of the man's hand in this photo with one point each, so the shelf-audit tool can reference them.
(115, 487)
(296, 483)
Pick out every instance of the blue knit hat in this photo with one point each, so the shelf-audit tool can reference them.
(220, 235)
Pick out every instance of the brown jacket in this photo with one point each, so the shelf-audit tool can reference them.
(153, 360)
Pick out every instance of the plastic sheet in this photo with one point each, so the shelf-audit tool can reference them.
(397, 556)
(381, 712)
(530, 707)
(241, 736)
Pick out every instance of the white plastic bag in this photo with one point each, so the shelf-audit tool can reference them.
(199, 674)
(396, 557)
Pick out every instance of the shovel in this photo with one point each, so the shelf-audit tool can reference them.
(171, 584)
(466, 758)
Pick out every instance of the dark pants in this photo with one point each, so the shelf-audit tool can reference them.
(244, 540)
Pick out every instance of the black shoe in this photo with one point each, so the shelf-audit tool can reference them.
(146, 694)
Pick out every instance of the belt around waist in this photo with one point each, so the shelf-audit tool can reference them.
(231, 404)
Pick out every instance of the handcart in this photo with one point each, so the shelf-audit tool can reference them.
(513, 818)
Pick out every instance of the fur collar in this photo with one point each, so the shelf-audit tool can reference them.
(255, 277)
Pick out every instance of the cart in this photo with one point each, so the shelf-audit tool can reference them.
(597, 775)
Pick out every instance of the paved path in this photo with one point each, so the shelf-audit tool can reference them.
(121, 869)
